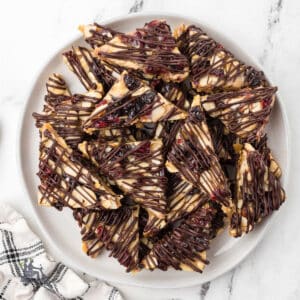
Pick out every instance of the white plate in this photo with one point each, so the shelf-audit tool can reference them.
(60, 230)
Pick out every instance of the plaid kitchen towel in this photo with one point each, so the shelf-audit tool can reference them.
(28, 272)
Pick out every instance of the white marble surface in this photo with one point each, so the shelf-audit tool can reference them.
(269, 29)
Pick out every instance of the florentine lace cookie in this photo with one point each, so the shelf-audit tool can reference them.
(130, 101)
(184, 247)
(258, 190)
(213, 68)
(192, 156)
(116, 230)
(245, 112)
(138, 170)
(65, 181)
(151, 50)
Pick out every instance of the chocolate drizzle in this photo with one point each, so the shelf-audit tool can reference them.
(258, 192)
(136, 102)
(148, 175)
(67, 113)
(151, 47)
(194, 158)
(137, 168)
(183, 198)
(97, 35)
(167, 130)
(244, 112)
(65, 181)
(213, 67)
(183, 248)
(116, 230)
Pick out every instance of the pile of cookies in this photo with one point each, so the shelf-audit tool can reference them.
(166, 147)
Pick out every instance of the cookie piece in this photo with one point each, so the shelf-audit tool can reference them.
(183, 198)
(213, 68)
(66, 112)
(245, 112)
(65, 181)
(138, 170)
(193, 158)
(116, 230)
(130, 101)
(167, 130)
(97, 35)
(184, 247)
(150, 50)
(258, 191)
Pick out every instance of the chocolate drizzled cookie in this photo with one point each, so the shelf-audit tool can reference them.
(65, 181)
(151, 50)
(138, 170)
(116, 230)
(245, 112)
(66, 112)
(184, 247)
(128, 102)
(192, 156)
(258, 191)
(213, 68)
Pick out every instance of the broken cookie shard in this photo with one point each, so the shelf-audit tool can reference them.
(97, 35)
(245, 112)
(87, 69)
(213, 68)
(116, 230)
(183, 198)
(192, 157)
(137, 168)
(167, 130)
(57, 86)
(65, 181)
(184, 247)
(258, 191)
(150, 50)
(66, 112)
(130, 101)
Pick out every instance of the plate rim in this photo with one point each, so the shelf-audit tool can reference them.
(25, 187)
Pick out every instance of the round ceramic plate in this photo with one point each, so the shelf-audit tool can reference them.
(59, 230)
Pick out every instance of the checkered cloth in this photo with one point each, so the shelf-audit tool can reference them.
(28, 272)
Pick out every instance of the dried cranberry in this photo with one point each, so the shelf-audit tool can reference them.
(99, 231)
(179, 141)
(131, 82)
(47, 170)
(103, 102)
(153, 70)
(100, 124)
(266, 102)
(145, 148)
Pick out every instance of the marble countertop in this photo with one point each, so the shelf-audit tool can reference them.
(31, 31)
